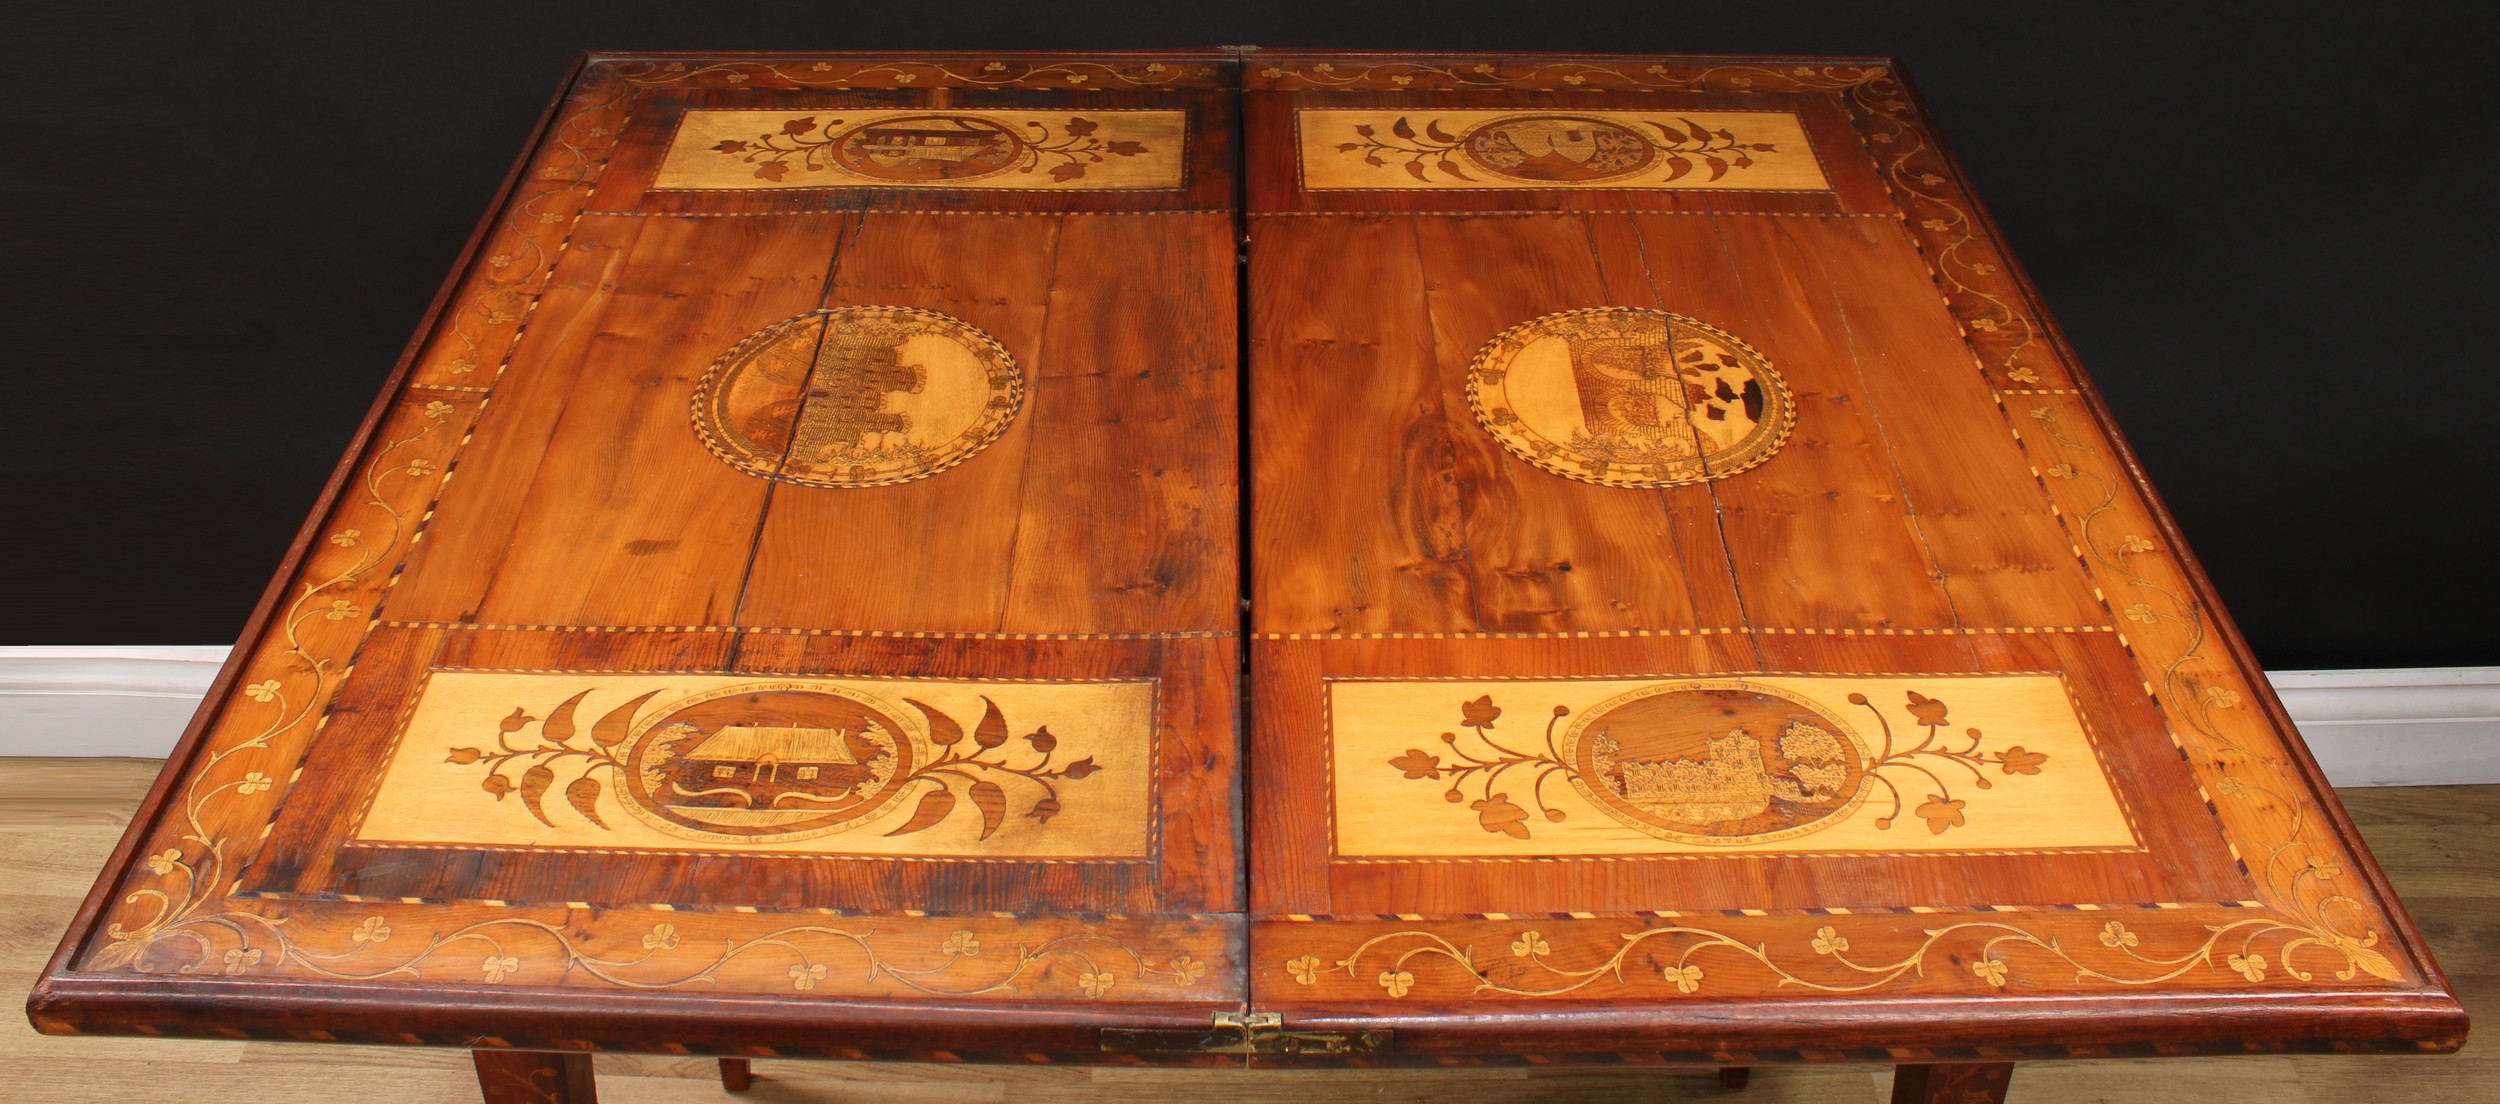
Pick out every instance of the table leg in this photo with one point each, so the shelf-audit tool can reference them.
(1955, 1083)
(736, 1074)
(534, 1077)
(1734, 1077)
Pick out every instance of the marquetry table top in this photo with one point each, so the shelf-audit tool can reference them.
(850, 566)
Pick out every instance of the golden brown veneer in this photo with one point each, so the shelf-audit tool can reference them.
(790, 601)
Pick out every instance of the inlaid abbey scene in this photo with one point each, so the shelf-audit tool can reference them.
(858, 396)
(1252, 558)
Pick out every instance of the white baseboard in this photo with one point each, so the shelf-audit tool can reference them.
(2405, 727)
(2408, 726)
(103, 700)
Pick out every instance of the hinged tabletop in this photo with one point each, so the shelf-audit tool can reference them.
(790, 600)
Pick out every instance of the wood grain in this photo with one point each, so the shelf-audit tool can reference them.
(571, 514)
(572, 504)
(1962, 1083)
(535, 1077)
(1361, 389)
(1938, 506)
(1942, 540)
(63, 815)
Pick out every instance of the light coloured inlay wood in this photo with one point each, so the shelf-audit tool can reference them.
(1628, 397)
(837, 148)
(760, 763)
(1445, 149)
(1520, 768)
(857, 397)
(65, 814)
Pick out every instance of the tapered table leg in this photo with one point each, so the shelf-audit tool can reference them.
(1734, 1077)
(1953, 1083)
(736, 1074)
(534, 1077)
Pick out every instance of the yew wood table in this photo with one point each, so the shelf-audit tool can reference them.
(795, 598)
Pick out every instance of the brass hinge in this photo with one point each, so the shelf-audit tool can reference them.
(1243, 1033)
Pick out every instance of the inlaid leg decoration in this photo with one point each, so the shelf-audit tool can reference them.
(736, 1074)
(534, 1077)
(1734, 1077)
(1958, 1083)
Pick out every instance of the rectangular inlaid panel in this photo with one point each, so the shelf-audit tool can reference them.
(1468, 768)
(679, 762)
(2070, 791)
(1076, 151)
(813, 147)
(1451, 148)
(780, 769)
(1405, 149)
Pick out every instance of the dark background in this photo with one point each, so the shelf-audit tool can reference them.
(2269, 230)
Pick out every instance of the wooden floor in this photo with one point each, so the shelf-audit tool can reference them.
(58, 818)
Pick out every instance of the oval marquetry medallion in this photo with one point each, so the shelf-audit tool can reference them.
(1717, 762)
(770, 759)
(928, 148)
(1629, 397)
(1548, 149)
(858, 397)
